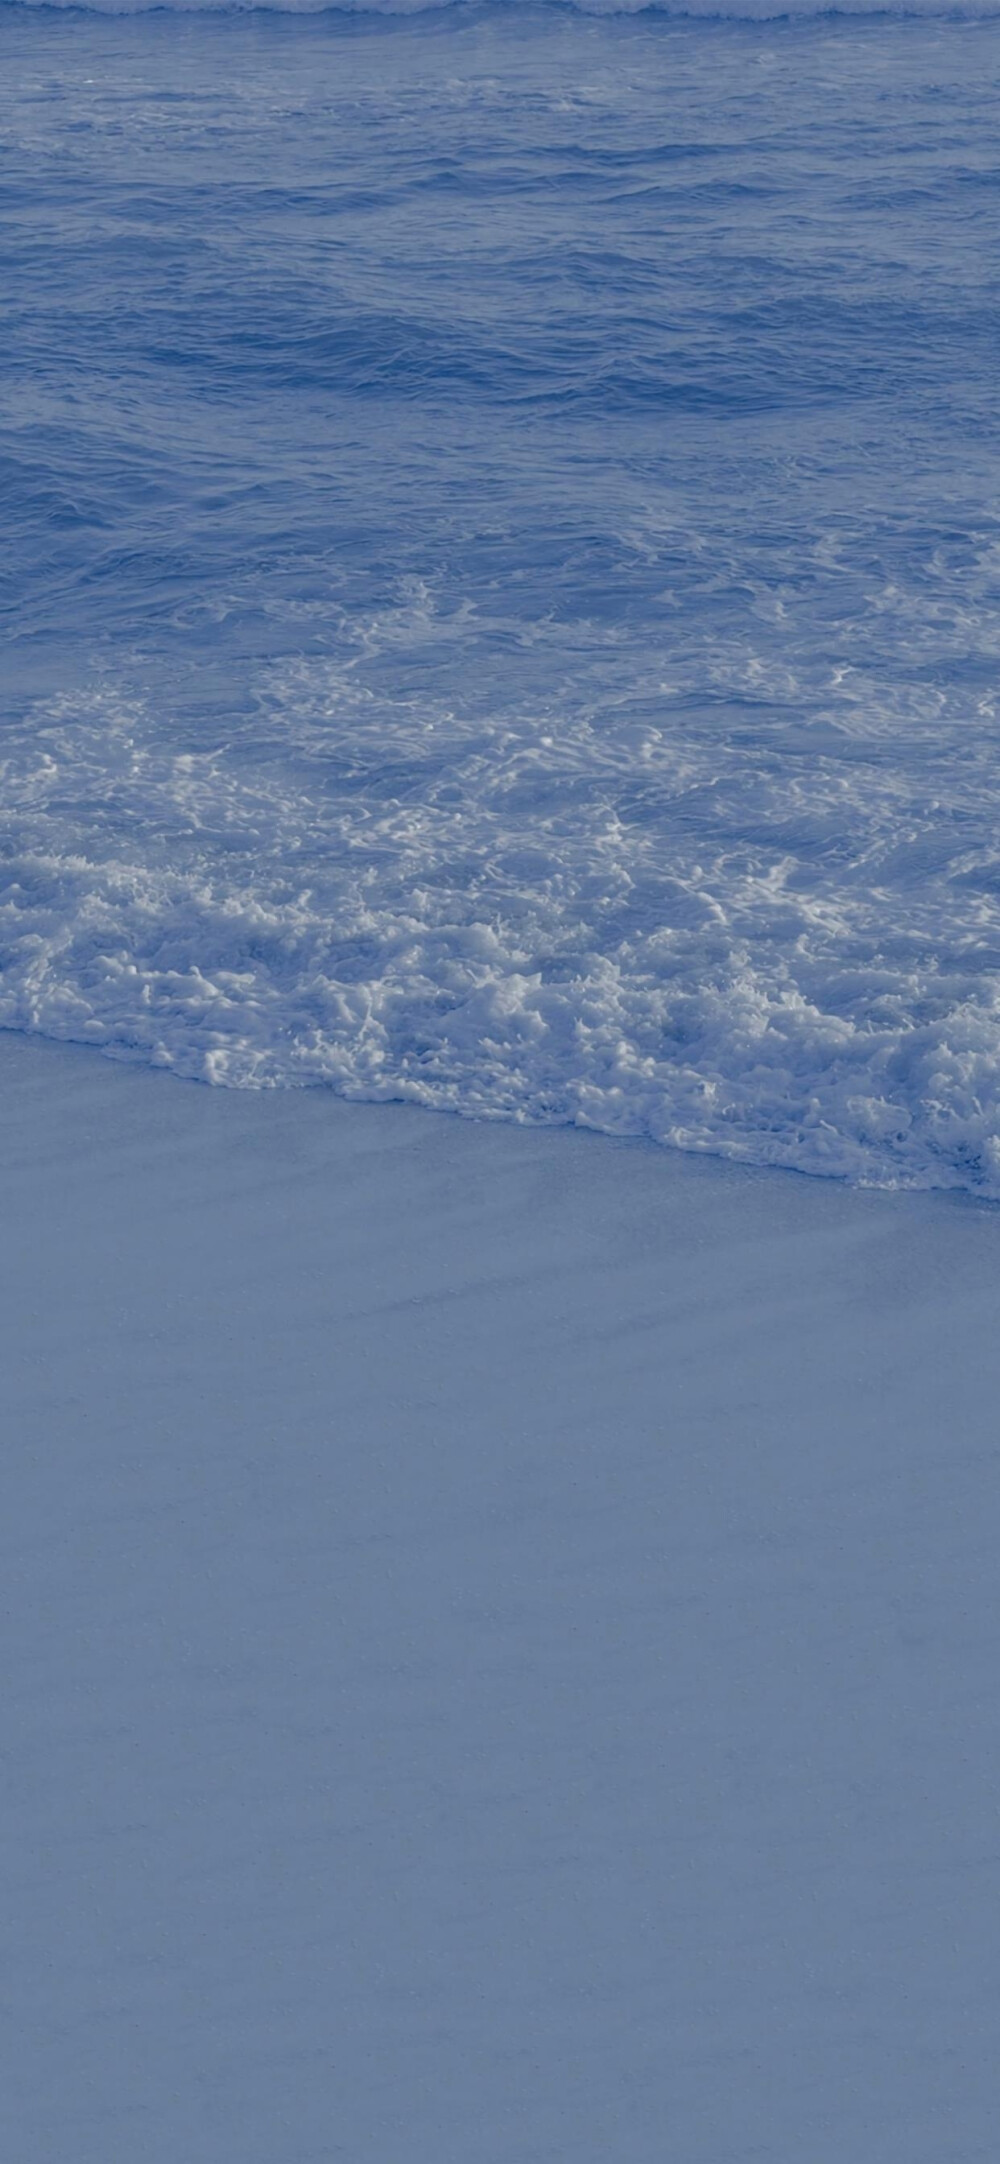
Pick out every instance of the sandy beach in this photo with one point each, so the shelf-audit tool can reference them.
(500, 1642)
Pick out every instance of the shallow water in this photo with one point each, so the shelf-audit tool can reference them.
(502, 536)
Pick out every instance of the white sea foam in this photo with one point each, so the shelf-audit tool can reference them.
(788, 956)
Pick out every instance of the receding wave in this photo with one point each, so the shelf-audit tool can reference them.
(786, 949)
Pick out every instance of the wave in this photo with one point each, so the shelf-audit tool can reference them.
(636, 932)
(708, 11)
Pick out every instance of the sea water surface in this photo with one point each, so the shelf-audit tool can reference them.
(501, 564)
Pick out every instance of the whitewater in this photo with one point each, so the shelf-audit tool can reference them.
(501, 565)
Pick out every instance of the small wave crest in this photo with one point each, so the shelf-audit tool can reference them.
(708, 11)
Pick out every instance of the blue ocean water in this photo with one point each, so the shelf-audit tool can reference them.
(501, 548)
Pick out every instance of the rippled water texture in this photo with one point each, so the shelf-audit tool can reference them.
(502, 562)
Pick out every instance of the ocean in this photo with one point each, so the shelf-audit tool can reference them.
(501, 564)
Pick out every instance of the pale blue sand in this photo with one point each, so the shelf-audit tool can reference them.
(500, 1644)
